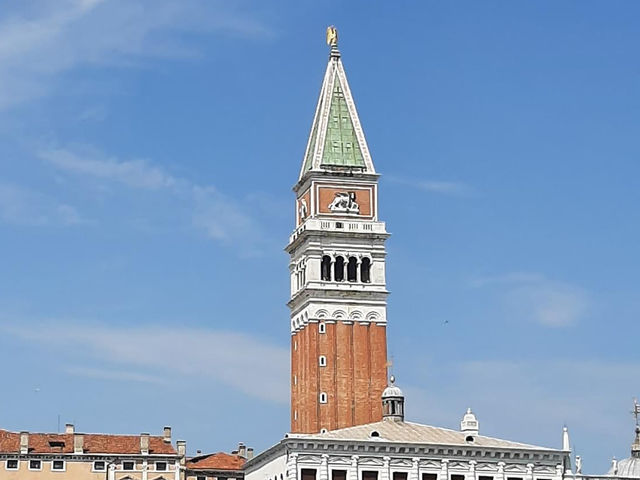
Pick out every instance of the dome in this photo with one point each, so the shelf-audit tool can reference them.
(392, 390)
(469, 423)
(628, 467)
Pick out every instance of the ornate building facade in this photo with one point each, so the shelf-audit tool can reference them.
(338, 287)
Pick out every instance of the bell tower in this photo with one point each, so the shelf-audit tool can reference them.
(338, 288)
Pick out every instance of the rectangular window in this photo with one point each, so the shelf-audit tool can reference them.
(485, 477)
(12, 464)
(161, 466)
(35, 464)
(514, 478)
(368, 475)
(57, 465)
(99, 466)
(127, 465)
(221, 478)
(308, 474)
(338, 475)
(457, 477)
(429, 476)
(399, 475)
(201, 477)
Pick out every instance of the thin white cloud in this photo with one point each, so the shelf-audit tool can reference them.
(21, 206)
(41, 40)
(451, 188)
(219, 216)
(90, 161)
(113, 374)
(533, 297)
(239, 361)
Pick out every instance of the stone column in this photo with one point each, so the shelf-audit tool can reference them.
(559, 471)
(414, 474)
(292, 467)
(112, 472)
(332, 269)
(358, 270)
(444, 470)
(177, 471)
(384, 475)
(472, 470)
(324, 467)
(529, 475)
(501, 475)
(353, 469)
(145, 467)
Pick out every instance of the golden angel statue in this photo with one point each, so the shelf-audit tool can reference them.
(332, 36)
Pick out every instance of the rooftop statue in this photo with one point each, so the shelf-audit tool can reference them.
(332, 36)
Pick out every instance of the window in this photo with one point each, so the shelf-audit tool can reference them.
(429, 476)
(399, 475)
(161, 466)
(323, 397)
(322, 361)
(457, 477)
(99, 466)
(57, 465)
(338, 475)
(295, 379)
(35, 464)
(322, 328)
(323, 430)
(225, 478)
(325, 268)
(352, 269)
(339, 270)
(365, 270)
(201, 477)
(514, 478)
(12, 464)
(485, 477)
(366, 475)
(127, 465)
(308, 474)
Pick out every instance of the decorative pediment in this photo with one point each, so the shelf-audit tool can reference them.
(515, 468)
(487, 467)
(429, 464)
(458, 466)
(401, 462)
(314, 459)
(544, 469)
(371, 462)
(339, 461)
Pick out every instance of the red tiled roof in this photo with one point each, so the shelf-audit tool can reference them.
(216, 461)
(93, 443)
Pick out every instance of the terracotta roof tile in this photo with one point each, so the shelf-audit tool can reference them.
(216, 461)
(93, 443)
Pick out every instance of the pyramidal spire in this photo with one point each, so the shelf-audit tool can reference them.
(336, 142)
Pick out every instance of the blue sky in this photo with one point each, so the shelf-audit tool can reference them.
(147, 154)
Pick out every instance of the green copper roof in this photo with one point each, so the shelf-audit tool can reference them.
(308, 161)
(341, 146)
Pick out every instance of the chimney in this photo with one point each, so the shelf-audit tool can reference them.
(144, 443)
(242, 449)
(69, 428)
(24, 443)
(78, 443)
(166, 436)
(182, 451)
(249, 453)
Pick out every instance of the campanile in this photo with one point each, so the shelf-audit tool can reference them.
(338, 287)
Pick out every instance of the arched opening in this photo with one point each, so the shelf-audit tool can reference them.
(339, 267)
(365, 270)
(352, 269)
(325, 268)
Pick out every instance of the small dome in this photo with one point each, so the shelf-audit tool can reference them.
(392, 390)
(628, 467)
(469, 423)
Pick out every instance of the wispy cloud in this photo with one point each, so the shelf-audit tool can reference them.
(21, 206)
(442, 187)
(247, 364)
(42, 40)
(219, 216)
(533, 297)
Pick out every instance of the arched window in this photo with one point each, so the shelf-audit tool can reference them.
(325, 268)
(352, 269)
(339, 273)
(322, 327)
(365, 270)
(323, 397)
(322, 361)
